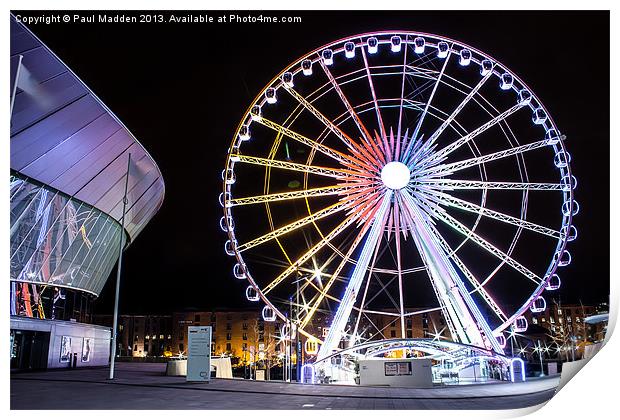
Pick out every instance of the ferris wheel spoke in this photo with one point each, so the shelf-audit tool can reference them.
(350, 295)
(451, 201)
(322, 118)
(418, 126)
(334, 276)
(374, 97)
(442, 153)
(402, 98)
(297, 167)
(293, 226)
(483, 243)
(368, 278)
(447, 169)
(289, 195)
(478, 287)
(328, 151)
(464, 184)
(458, 109)
(312, 251)
(356, 119)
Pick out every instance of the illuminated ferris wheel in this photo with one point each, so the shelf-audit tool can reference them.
(394, 173)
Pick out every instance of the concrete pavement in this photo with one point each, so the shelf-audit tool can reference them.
(144, 386)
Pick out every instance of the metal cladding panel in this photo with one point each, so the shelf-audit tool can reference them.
(63, 136)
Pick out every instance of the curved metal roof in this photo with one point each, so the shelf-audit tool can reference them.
(63, 136)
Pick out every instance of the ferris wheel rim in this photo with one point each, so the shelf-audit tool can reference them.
(566, 171)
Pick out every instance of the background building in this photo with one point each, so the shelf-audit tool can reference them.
(69, 165)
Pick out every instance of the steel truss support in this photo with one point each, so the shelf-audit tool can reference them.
(341, 317)
(471, 327)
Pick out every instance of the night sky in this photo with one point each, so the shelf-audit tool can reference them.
(182, 89)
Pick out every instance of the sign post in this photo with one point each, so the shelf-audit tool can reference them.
(198, 354)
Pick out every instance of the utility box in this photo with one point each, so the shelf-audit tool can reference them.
(415, 373)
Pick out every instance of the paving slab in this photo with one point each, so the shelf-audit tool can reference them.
(145, 386)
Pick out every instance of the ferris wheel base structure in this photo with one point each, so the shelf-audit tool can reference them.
(447, 362)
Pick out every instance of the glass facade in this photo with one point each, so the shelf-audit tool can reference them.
(58, 241)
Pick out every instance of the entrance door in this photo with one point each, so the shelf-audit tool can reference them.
(29, 349)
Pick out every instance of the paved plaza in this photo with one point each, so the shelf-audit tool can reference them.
(144, 386)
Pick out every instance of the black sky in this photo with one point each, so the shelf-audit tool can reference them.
(182, 89)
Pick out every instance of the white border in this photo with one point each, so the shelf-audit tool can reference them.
(592, 393)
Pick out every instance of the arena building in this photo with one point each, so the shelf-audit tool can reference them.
(70, 162)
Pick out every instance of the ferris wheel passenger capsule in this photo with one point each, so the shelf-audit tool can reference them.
(227, 224)
(395, 42)
(539, 305)
(539, 116)
(561, 159)
(306, 67)
(270, 95)
(569, 182)
(525, 97)
(328, 57)
(564, 259)
(506, 81)
(256, 113)
(287, 79)
(419, 44)
(465, 58)
(230, 246)
(568, 233)
(239, 271)
(566, 208)
(228, 176)
(349, 49)
(520, 324)
(552, 137)
(251, 294)
(224, 199)
(373, 45)
(553, 283)
(442, 49)
(486, 66)
(268, 314)
(244, 133)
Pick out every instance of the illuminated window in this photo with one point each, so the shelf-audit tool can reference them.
(161, 336)
(552, 320)
(147, 337)
(534, 320)
(542, 319)
(559, 311)
(169, 337)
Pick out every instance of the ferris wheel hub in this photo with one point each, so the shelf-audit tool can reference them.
(395, 175)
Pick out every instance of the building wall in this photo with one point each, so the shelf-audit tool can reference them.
(99, 340)
(241, 334)
(142, 335)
